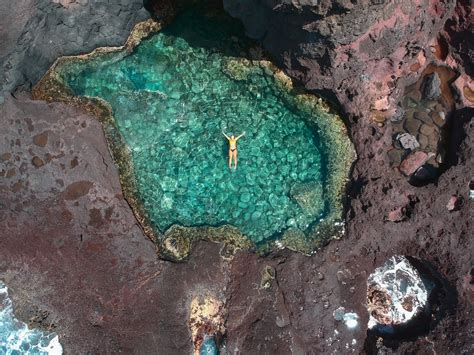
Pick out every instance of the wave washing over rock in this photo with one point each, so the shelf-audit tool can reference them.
(396, 293)
(17, 338)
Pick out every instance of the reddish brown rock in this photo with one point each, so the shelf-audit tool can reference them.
(37, 161)
(454, 203)
(5, 156)
(41, 139)
(77, 190)
(327, 46)
(397, 215)
(413, 162)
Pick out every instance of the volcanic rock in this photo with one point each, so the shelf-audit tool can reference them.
(309, 196)
(35, 33)
(407, 141)
(431, 87)
(326, 45)
(413, 162)
(37, 161)
(397, 215)
(454, 203)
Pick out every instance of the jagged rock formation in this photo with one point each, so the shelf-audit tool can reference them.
(354, 51)
(36, 32)
(71, 251)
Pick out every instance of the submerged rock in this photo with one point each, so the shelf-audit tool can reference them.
(309, 196)
(396, 293)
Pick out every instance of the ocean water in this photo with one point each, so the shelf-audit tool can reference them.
(209, 346)
(173, 97)
(15, 336)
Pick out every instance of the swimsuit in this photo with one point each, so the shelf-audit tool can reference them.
(233, 144)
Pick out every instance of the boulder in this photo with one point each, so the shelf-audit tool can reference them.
(309, 196)
(413, 162)
(412, 125)
(407, 141)
(431, 87)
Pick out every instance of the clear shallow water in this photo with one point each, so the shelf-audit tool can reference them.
(172, 98)
(209, 347)
(17, 339)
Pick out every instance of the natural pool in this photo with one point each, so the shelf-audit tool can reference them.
(171, 99)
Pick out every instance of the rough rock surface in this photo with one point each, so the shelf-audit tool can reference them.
(34, 33)
(75, 259)
(71, 247)
(359, 52)
(68, 238)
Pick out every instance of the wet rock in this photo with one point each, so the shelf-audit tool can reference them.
(407, 141)
(432, 87)
(413, 162)
(309, 196)
(439, 118)
(412, 126)
(396, 293)
(423, 116)
(454, 203)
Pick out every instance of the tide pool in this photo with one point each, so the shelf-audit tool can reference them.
(174, 96)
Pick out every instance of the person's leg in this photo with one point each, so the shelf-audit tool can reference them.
(230, 158)
(235, 159)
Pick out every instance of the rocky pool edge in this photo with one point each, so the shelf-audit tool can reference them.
(176, 243)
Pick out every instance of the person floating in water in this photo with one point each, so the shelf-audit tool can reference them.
(233, 148)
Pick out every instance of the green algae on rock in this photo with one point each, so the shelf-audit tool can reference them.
(164, 104)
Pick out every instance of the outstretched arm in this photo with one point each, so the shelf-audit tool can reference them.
(243, 134)
(226, 135)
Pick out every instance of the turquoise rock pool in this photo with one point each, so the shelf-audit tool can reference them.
(172, 98)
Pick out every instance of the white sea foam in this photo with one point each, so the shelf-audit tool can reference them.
(400, 281)
(17, 338)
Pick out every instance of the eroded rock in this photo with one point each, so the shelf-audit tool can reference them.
(432, 87)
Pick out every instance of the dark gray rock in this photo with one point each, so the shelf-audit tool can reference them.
(432, 87)
(36, 32)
